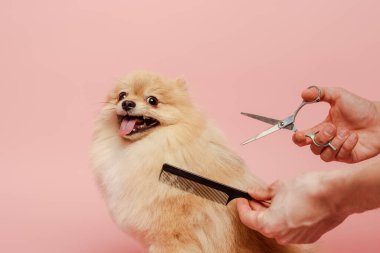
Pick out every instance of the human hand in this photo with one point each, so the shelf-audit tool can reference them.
(352, 125)
(302, 209)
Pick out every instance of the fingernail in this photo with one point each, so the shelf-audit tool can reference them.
(329, 131)
(342, 134)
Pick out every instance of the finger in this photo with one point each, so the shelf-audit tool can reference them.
(326, 134)
(246, 215)
(282, 234)
(323, 137)
(257, 206)
(275, 187)
(300, 139)
(310, 94)
(315, 150)
(253, 219)
(330, 94)
(328, 154)
(345, 153)
(259, 192)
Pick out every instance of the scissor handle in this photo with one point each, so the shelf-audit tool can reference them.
(321, 145)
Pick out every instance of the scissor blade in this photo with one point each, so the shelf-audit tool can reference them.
(270, 121)
(262, 134)
(262, 118)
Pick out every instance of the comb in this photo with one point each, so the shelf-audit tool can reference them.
(201, 186)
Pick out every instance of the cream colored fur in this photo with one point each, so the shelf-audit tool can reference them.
(163, 218)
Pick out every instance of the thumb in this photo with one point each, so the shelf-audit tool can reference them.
(328, 94)
(260, 192)
(249, 217)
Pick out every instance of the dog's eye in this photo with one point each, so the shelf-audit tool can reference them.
(122, 95)
(152, 100)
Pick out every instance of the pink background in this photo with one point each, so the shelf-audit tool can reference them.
(58, 61)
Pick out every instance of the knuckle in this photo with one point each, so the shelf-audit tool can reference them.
(269, 233)
(276, 185)
(282, 241)
(343, 152)
(320, 137)
(324, 137)
(351, 141)
(342, 156)
(328, 155)
(346, 148)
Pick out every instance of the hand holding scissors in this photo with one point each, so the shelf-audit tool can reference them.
(352, 126)
(288, 123)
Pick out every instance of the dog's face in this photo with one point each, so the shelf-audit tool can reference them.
(145, 102)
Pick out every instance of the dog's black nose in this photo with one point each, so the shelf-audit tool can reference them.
(128, 105)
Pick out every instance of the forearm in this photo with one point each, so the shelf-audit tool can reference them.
(365, 188)
(355, 190)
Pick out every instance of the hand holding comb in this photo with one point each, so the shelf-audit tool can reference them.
(202, 187)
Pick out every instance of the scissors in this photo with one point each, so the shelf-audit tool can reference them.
(287, 123)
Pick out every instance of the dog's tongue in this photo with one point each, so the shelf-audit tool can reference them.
(127, 126)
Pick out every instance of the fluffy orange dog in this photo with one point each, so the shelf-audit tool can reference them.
(147, 121)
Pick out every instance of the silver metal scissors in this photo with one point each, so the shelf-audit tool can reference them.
(287, 123)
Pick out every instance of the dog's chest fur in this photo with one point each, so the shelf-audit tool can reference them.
(131, 185)
(128, 175)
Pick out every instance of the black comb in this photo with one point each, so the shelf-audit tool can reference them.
(201, 186)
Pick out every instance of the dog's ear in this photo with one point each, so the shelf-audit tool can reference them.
(181, 83)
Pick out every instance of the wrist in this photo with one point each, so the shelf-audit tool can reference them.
(353, 190)
(337, 192)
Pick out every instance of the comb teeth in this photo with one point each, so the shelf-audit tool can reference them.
(194, 188)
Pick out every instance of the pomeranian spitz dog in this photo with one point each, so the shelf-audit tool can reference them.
(149, 120)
